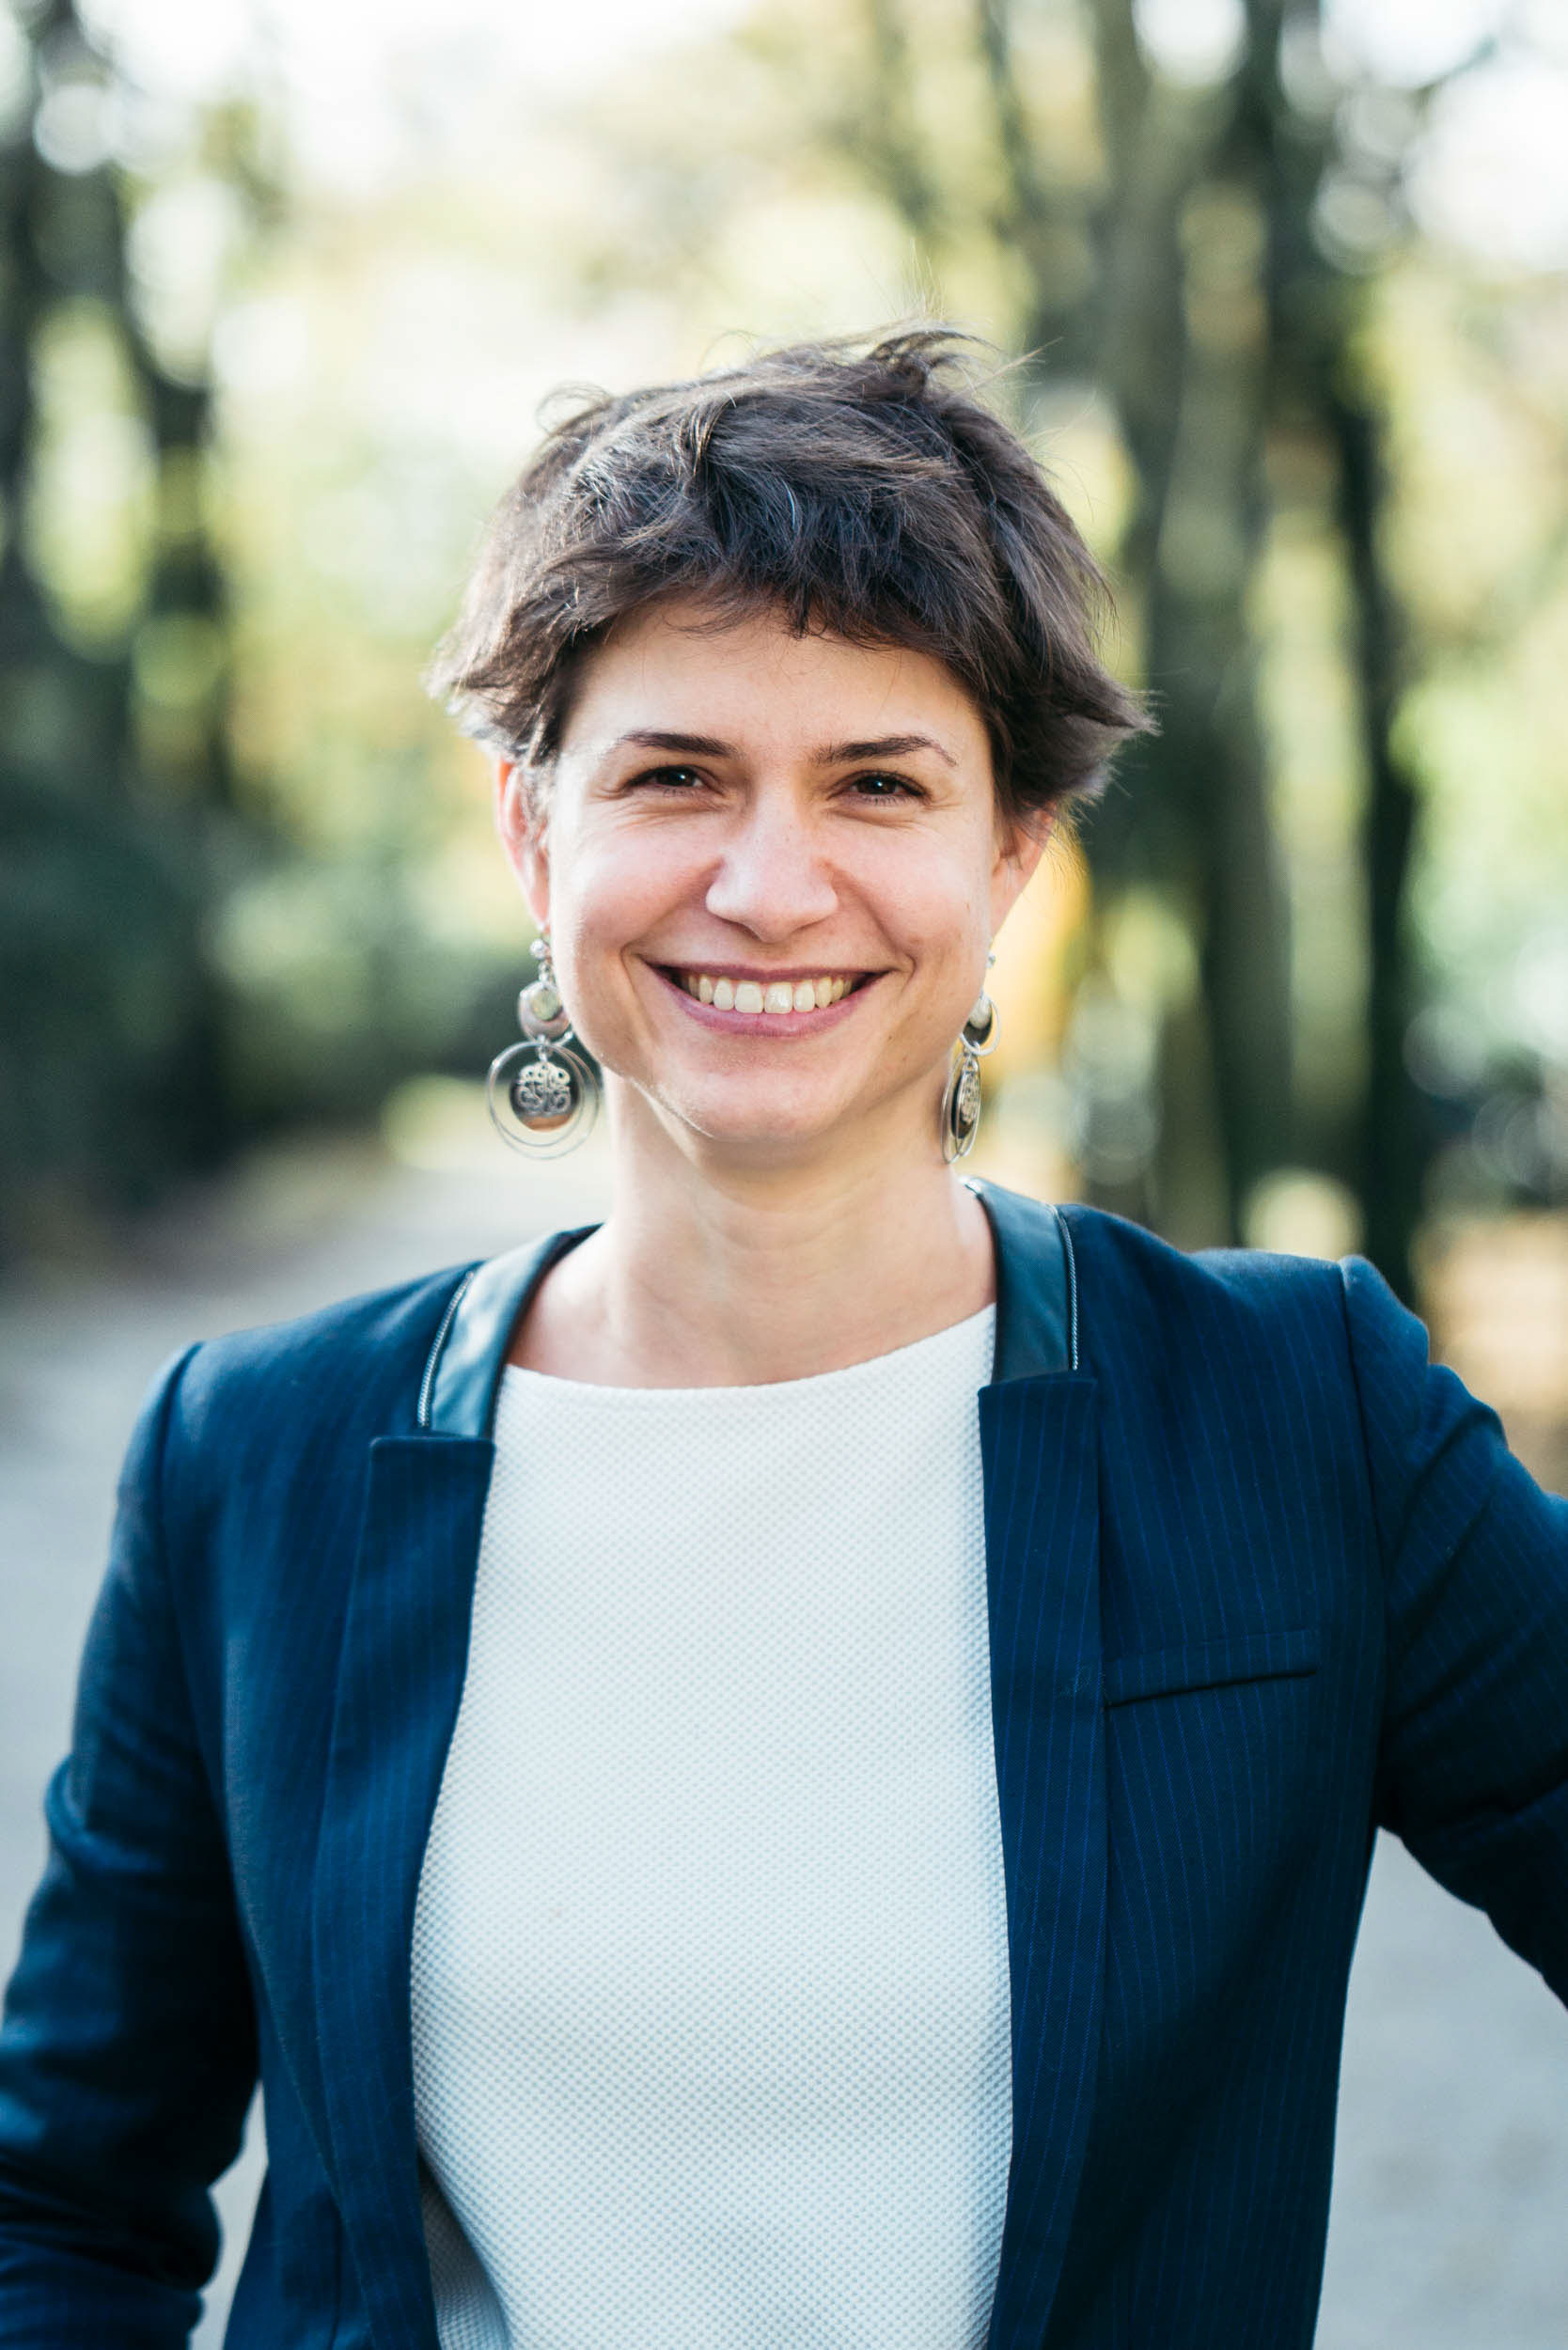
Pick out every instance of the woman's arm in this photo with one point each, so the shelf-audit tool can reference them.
(128, 2049)
(1475, 1729)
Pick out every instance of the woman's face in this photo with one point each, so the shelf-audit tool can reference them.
(740, 817)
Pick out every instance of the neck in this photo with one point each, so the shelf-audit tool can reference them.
(710, 1273)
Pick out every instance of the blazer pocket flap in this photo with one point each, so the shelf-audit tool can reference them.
(1210, 1664)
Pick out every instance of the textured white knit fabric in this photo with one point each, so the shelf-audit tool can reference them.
(711, 2006)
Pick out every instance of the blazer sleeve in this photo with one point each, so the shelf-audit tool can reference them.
(128, 2046)
(1474, 1756)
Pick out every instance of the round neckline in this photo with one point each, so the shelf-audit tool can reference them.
(516, 1377)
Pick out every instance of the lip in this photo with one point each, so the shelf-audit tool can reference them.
(796, 1025)
(790, 971)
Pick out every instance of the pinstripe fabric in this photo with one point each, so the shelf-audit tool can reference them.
(404, 1653)
(1259, 1579)
(1042, 1529)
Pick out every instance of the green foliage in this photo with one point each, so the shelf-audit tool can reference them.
(251, 412)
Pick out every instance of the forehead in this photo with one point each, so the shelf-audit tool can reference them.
(752, 681)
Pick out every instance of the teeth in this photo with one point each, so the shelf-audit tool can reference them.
(752, 995)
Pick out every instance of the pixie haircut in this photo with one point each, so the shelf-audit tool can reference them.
(864, 492)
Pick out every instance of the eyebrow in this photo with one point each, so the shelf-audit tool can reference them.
(830, 754)
(882, 747)
(696, 745)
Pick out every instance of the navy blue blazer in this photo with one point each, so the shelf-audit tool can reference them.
(1258, 1580)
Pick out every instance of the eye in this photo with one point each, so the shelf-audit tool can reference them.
(879, 785)
(664, 779)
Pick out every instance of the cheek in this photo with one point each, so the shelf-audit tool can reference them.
(609, 894)
(936, 905)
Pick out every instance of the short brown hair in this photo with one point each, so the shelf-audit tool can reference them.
(864, 491)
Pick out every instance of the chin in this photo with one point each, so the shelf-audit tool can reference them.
(760, 1137)
(751, 1128)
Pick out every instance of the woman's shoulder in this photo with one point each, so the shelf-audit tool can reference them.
(357, 1360)
(1151, 1276)
(1262, 1352)
(1244, 1312)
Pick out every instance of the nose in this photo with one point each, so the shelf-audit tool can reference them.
(772, 879)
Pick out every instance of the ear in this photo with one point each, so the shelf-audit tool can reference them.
(523, 835)
(1021, 844)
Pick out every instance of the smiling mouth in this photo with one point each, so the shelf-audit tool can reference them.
(724, 992)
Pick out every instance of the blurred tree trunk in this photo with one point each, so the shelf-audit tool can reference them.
(1182, 354)
(1214, 310)
(1315, 313)
(110, 1082)
(1393, 1143)
(895, 157)
(1039, 219)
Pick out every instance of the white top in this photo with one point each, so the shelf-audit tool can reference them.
(710, 2005)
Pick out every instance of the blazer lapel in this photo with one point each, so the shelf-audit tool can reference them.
(400, 1671)
(1039, 1439)
(400, 1677)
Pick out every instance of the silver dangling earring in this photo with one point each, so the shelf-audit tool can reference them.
(961, 1104)
(544, 1095)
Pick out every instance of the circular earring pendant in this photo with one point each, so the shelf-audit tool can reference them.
(961, 1108)
(543, 1098)
(542, 1094)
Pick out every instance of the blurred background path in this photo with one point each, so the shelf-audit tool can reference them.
(1451, 2216)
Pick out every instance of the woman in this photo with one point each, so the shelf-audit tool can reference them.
(710, 1834)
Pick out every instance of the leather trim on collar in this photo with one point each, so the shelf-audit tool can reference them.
(456, 1394)
(1037, 1285)
(1037, 1311)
